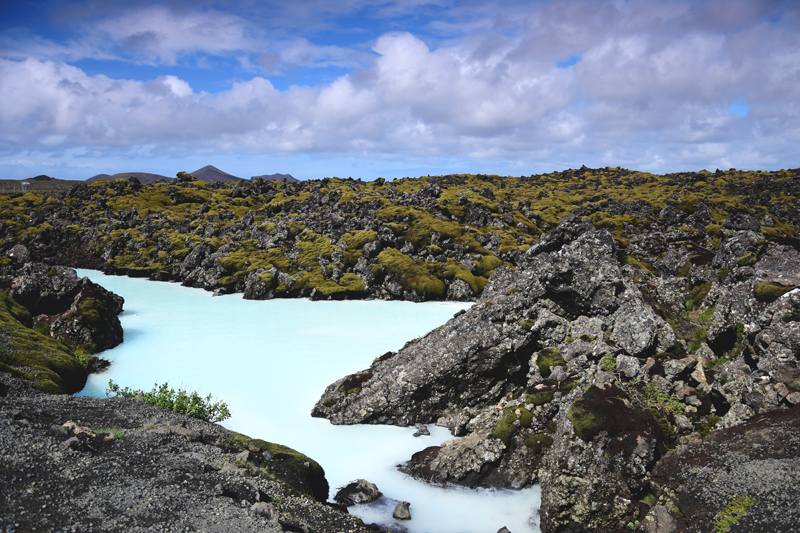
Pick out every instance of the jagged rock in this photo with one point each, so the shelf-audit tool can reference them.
(422, 429)
(19, 254)
(358, 491)
(462, 461)
(401, 511)
(73, 309)
(660, 520)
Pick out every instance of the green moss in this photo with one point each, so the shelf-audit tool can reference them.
(455, 270)
(527, 324)
(767, 291)
(748, 259)
(486, 265)
(539, 398)
(539, 441)
(414, 274)
(52, 366)
(547, 359)
(587, 424)
(312, 247)
(351, 282)
(505, 428)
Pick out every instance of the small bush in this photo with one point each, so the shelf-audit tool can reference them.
(180, 401)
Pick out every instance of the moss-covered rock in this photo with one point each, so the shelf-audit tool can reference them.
(49, 364)
(511, 421)
(548, 358)
(768, 291)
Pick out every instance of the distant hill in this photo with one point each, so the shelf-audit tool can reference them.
(212, 174)
(275, 177)
(143, 177)
(41, 177)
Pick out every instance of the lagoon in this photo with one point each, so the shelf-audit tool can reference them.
(271, 361)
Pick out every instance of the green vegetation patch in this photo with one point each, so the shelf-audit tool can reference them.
(748, 259)
(512, 419)
(548, 358)
(734, 512)
(177, 401)
(538, 442)
(767, 291)
(51, 365)
(414, 274)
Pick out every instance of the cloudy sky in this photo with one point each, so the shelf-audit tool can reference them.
(397, 88)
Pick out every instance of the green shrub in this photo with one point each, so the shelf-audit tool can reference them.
(180, 401)
(608, 363)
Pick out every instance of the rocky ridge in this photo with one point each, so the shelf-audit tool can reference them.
(582, 372)
(429, 238)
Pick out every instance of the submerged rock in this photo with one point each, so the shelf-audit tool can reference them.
(401, 511)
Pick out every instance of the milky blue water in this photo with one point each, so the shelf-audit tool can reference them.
(271, 361)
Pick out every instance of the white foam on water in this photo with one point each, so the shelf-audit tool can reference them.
(271, 361)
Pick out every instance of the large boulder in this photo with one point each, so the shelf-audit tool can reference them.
(74, 310)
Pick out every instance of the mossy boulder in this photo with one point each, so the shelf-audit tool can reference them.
(511, 421)
(548, 358)
(289, 466)
(412, 274)
(48, 363)
(604, 409)
(767, 291)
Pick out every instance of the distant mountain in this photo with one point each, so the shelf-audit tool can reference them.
(143, 177)
(213, 174)
(41, 177)
(275, 177)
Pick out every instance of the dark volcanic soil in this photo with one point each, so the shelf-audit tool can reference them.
(168, 472)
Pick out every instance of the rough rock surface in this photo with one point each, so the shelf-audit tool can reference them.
(75, 310)
(566, 372)
(64, 468)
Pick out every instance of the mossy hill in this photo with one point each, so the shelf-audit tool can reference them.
(426, 238)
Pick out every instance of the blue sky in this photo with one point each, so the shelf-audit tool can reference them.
(397, 88)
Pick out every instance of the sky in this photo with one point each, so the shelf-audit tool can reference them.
(363, 89)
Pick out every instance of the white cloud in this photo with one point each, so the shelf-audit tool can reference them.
(652, 88)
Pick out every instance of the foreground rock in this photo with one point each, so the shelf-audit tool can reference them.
(357, 492)
(567, 373)
(86, 464)
(71, 309)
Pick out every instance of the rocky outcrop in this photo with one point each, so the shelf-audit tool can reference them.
(73, 310)
(567, 372)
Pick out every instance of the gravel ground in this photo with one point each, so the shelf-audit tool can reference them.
(168, 472)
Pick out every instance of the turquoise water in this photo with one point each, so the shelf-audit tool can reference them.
(271, 360)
